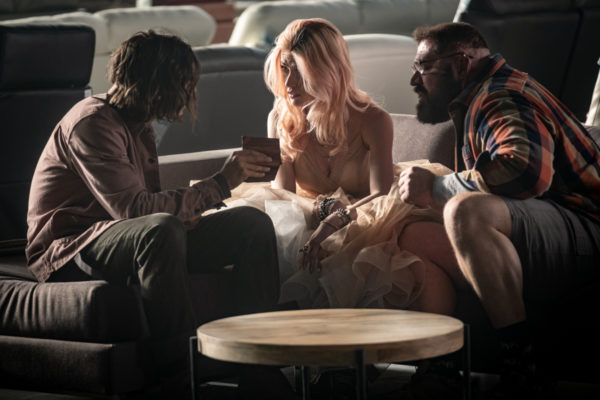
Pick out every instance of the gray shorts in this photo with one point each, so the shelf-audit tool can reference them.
(559, 248)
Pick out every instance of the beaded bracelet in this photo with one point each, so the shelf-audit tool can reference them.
(323, 208)
(344, 214)
(342, 218)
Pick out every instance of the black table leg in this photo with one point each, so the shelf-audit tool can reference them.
(305, 382)
(467, 363)
(193, 348)
(361, 375)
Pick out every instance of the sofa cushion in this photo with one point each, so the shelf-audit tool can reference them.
(403, 16)
(6, 6)
(36, 57)
(44, 5)
(394, 15)
(503, 7)
(13, 263)
(191, 23)
(414, 140)
(44, 70)
(578, 86)
(90, 311)
(527, 32)
(48, 364)
(176, 170)
(231, 84)
(260, 23)
(594, 130)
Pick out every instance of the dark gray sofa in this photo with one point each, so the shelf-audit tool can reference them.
(556, 41)
(11, 9)
(564, 328)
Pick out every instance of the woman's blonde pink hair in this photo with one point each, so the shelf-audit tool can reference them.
(323, 61)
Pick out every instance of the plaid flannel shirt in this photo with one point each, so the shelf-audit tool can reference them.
(518, 140)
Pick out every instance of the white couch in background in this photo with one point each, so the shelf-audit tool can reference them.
(113, 26)
(593, 115)
(260, 23)
(381, 65)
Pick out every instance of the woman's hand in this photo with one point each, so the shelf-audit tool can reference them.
(312, 252)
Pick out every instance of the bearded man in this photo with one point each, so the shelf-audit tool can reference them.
(521, 216)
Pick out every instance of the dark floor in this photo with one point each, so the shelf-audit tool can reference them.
(386, 386)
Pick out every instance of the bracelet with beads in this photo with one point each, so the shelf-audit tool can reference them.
(324, 207)
(344, 214)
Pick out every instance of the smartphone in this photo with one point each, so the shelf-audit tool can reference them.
(267, 146)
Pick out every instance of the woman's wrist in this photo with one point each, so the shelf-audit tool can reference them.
(338, 219)
(344, 215)
(324, 208)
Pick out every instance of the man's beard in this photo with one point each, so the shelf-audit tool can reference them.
(433, 109)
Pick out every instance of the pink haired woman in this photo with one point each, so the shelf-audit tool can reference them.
(337, 168)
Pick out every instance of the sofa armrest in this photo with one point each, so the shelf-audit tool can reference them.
(176, 170)
(413, 140)
(87, 311)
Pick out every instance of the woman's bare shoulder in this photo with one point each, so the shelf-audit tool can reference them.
(374, 111)
(375, 119)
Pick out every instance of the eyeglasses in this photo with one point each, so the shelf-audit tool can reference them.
(418, 66)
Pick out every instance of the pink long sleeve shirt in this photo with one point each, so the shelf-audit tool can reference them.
(96, 170)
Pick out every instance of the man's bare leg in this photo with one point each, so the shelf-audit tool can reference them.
(479, 228)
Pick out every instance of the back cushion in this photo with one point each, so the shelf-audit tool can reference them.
(414, 140)
(44, 70)
(233, 100)
(534, 36)
(381, 65)
(260, 23)
(191, 23)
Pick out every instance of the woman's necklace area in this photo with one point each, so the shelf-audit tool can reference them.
(324, 150)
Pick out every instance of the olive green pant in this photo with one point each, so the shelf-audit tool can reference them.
(157, 252)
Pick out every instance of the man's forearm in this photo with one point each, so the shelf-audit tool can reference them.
(447, 186)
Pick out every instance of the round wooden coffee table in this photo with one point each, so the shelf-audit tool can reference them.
(331, 337)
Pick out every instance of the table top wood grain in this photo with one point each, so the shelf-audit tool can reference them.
(330, 337)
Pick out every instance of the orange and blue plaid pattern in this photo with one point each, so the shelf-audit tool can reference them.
(520, 141)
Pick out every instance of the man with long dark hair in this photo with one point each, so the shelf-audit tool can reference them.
(96, 209)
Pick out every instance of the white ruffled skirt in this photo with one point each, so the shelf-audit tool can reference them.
(364, 267)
